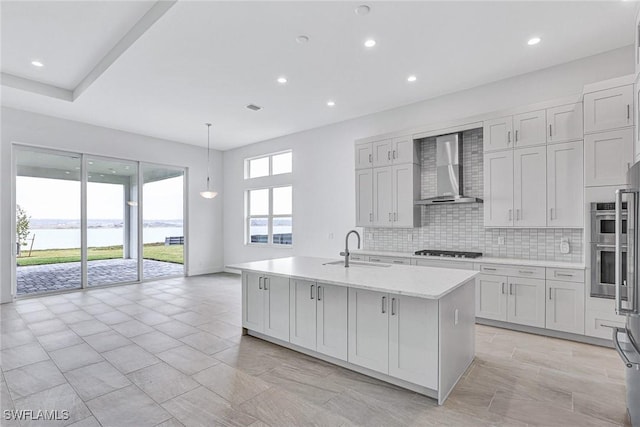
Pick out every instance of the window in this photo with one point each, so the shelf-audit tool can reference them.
(269, 216)
(272, 164)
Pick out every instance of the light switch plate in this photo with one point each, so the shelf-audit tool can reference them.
(564, 246)
(501, 240)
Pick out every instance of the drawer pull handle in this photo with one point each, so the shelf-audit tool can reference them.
(260, 283)
(488, 269)
(393, 306)
(319, 293)
(384, 305)
(526, 271)
(374, 259)
(312, 286)
(510, 288)
(503, 288)
(549, 130)
(397, 261)
(550, 294)
(564, 275)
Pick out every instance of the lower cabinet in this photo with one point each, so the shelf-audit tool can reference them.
(266, 304)
(396, 335)
(491, 297)
(565, 306)
(526, 302)
(318, 317)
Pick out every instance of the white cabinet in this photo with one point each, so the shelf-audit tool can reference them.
(390, 260)
(498, 189)
(364, 197)
(318, 317)
(608, 109)
(461, 265)
(526, 302)
(565, 306)
(491, 297)
(607, 157)
(364, 155)
(265, 305)
(395, 188)
(529, 128)
(395, 335)
(529, 192)
(331, 326)
(565, 184)
(413, 338)
(383, 196)
(368, 329)
(497, 134)
(394, 151)
(636, 102)
(564, 123)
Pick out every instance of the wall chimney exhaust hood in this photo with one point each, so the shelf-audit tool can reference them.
(448, 172)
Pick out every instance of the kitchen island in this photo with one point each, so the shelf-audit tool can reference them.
(409, 326)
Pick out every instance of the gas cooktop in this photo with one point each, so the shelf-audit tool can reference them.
(449, 254)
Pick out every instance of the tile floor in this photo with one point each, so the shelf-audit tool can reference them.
(170, 353)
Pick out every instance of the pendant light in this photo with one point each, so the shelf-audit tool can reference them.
(208, 194)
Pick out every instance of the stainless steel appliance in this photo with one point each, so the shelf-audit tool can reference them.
(629, 347)
(448, 254)
(603, 249)
(449, 172)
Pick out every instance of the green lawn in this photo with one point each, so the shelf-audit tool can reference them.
(155, 251)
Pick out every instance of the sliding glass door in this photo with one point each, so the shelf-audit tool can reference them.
(79, 221)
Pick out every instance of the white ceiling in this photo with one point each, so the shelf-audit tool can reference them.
(204, 61)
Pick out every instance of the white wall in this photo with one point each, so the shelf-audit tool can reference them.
(205, 246)
(323, 158)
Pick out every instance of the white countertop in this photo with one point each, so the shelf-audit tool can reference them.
(423, 282)
(482, 259)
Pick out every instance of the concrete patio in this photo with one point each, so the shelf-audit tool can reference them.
(55, 277)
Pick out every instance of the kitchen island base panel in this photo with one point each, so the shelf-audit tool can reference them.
(350, 366)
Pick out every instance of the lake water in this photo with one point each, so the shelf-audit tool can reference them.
(65, 238)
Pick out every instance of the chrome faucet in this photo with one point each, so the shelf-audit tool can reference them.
(346, 252)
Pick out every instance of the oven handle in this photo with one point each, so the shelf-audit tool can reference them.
(632, 284)
(623, 356)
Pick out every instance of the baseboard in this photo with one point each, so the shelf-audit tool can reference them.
(206, 270)
(546, 332)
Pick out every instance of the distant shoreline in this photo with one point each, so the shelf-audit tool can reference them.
(66, 224)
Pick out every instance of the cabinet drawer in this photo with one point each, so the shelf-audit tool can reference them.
(444, 264)
(354, 257)
(601, 324)
(513, 270)
(565, 274)
(390, 260)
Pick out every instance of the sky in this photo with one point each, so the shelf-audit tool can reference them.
(60, 199)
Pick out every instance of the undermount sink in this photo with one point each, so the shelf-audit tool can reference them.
(357, 264)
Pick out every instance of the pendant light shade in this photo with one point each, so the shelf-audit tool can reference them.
(208, 194)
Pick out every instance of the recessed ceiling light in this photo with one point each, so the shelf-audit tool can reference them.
(412, 79)
(331, 103)
(282, 80)
(370, 43)
(37, 64)
(362, 10)
(302, 39)
(533, 41)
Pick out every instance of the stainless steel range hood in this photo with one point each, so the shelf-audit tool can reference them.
(448, 172)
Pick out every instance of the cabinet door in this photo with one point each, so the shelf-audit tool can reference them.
(608, 109)
(331, 331)
(564, 123)
(413, 340)
(498, 189)
(530, 128)
(637, 110)
(497, 134)
(253, 302)
(364, 197)
(382, 151)
(302, 314)
(405, 183)
(565, 190)
(565, 306)
(364, 155)
(383, 197)
(491, 297)
(404, 150)
(276, 302)
(526, 302)
(369, 329)
(607, 157)
(530, 186)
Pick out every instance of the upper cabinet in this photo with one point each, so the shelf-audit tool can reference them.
(498, 189)
(637, 110)
(395, 151)
(607, 157)
(565, 184)
(564, 123)
(497, 134)
(529, 187)
(529, 129)
(608, 109)
(364, 155)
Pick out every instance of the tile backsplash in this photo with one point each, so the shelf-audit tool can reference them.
(460, 227)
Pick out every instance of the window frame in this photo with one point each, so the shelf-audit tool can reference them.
(248, 160)
(270, 216)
